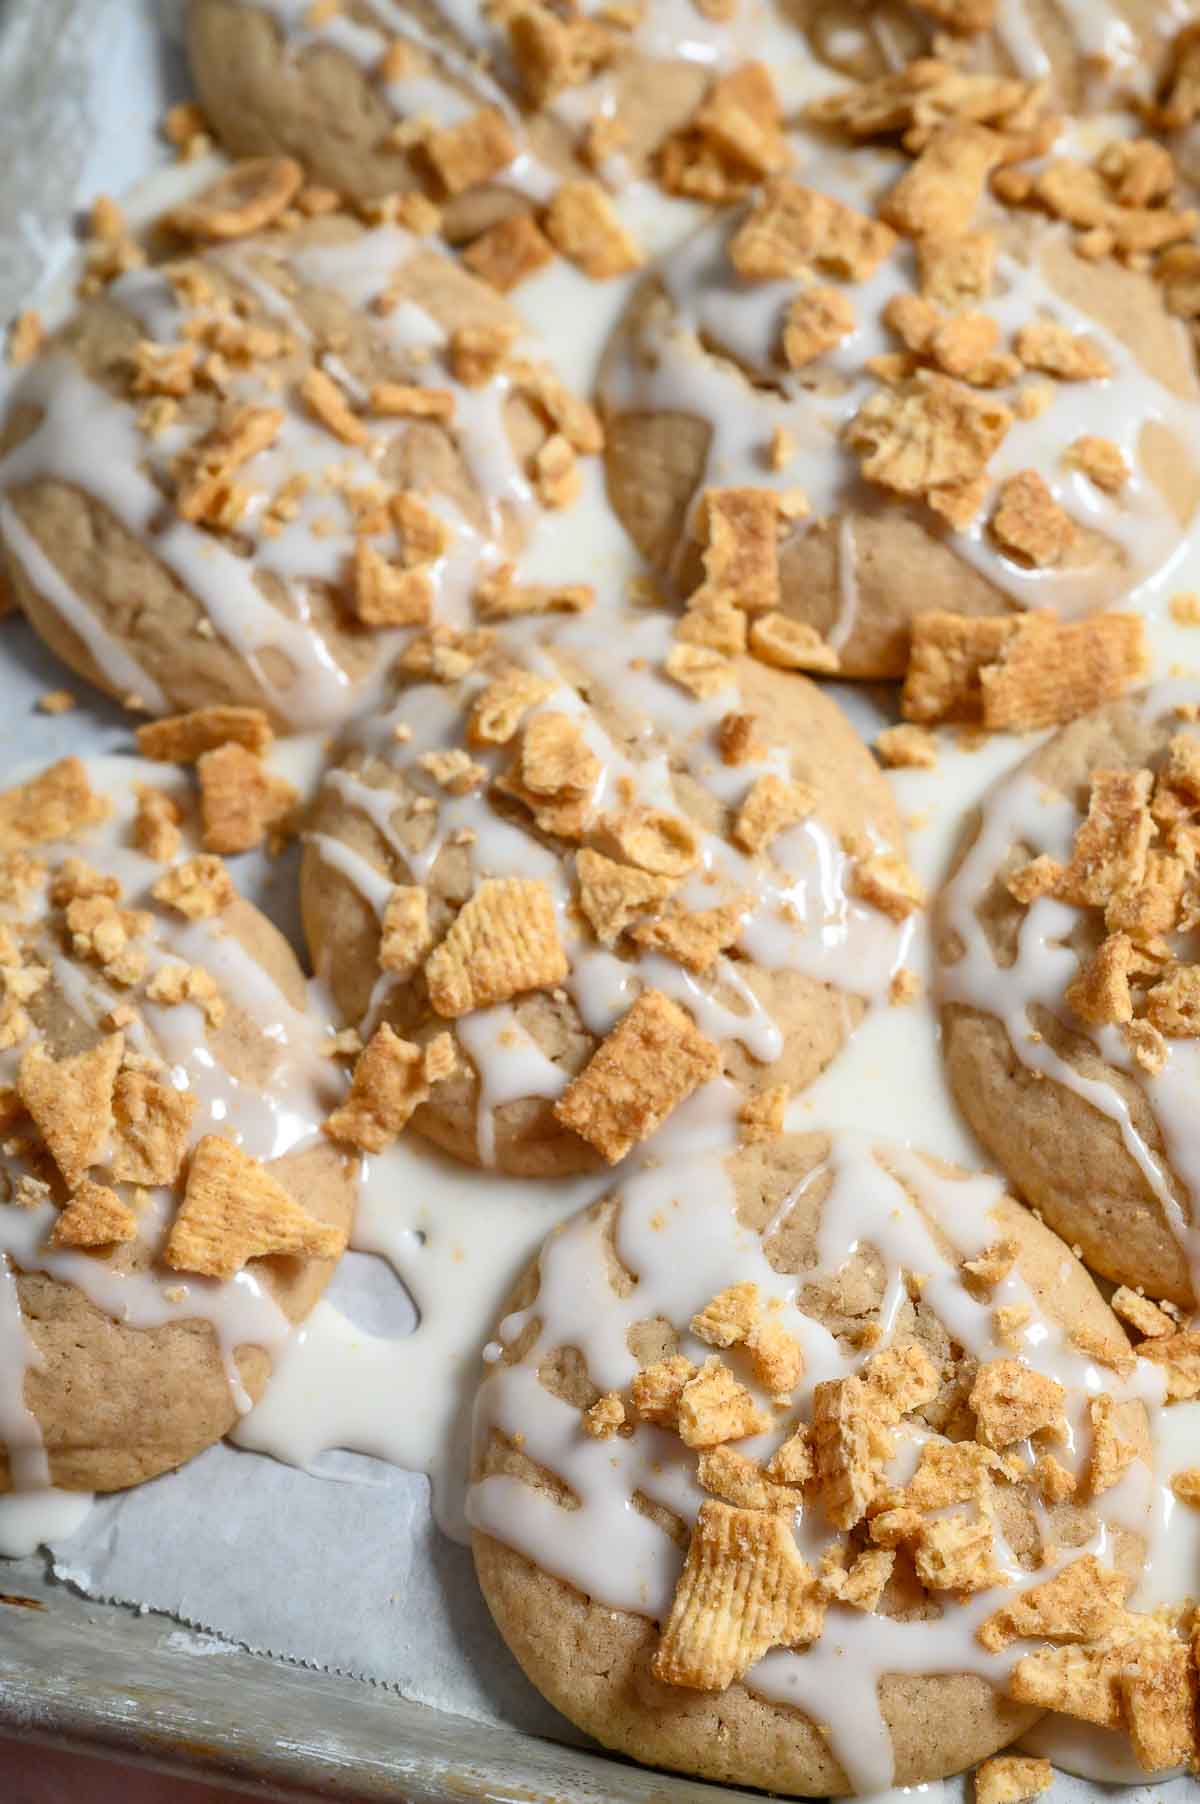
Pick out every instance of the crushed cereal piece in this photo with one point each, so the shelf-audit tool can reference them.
(233, 1210)
(328, 404)
(992, 1266)
(181, 738)
(70, 1101)
(605, 1417)
(776, 1358)
(500, 598)
(715, 1407)
(249, 196)
(478, 352)
(791, 228)
(791, 644)
(509, 252)
(94, 1217)
(1011, 1402)
(1100, 993)
(611, 895)
(906, 748)
(848, 1444)
(26, 336)
(771, 805)
(1018, 674)
(887, 881)
(473, 151)
(1112, 1452)
(792, 1462)
(741, 564)
(173, 984)
(693, 938)
(667, 845)
(150, 1129)
(816, 320)
(453, 770)
(206, 482)
(762, 1117)
(57, 804)
(1055, 350)
(198, 888)
(1111, 846)
(503, 942)
(735, 739)
(1141, 1313)
(388, 1085)
(1028, 523)
(498, 712)
(1080, 1603)
(1101, 461)
(1012, 1779)
(951, 1553)
(656, 1390)
(727, 1318)
(648, 1064)
(56, 701)
(582, 223)
(930, 438)
(699, 669)
(406, 936)
(737, 1479)
(1055, 1484)
(956, 268)
(744, 1589)
(1186, 1486)
(938, 195)
(241, 801)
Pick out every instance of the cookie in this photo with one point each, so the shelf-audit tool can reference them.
(1002, 423)
(731, 1340)
(169, 1210)
(374, 106)
(1068, 935)
(572, 860)
(244, 475)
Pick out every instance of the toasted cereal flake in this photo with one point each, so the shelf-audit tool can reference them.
(693, 938)
(478, 352)
(181, 738)
(497, 713)
(664, 844)
(241, 801)
(1141, 1313)
(509, 253)
(328, 404)
(470, 152)
(1011, 1402)
(1111, 1452)
(389, 1084)
(556, 473)
(956, 268)
(899, 1380)
(1055, 350)
(70, 1101)
(1028, 523)
(741, 560)
(94, 1217)
(1023, 673)
(762, 1117)
(791, 228)
(551, 53)
(992, 1265)
(1080, 1603)
(717, 624)
(453, 770)
(234, 1210)
(848, 1444)
(503, 942)
(905, 987)
(907, 748)
(744, 1589)
(101, 931)
(611, 895)
(699, 669)
(791, 644)
(715, 1407)
(1111, 846)
(582, 223)
(206, 477)
(740, 117)
(56, 804)
(735, 739)
(728, 1318)
(1186, 1485)
(1173, 1005)
(198, 888)
(771, 805)
(815, 321)
(939, 194)
(1158, 1691)
(1080, 1681)
(930, 438)
(655, 1392)
(792, 1461)
(1149, 908)
(1100, 993)
(953, 1553)
(501, 598)
(1040, 877)
(1055, 1484)
(776, 1358)
(409, 401)
(647, 1065)
(887, 881)
(174, 984)
(406, 936)
(249, 196)
(605, 1417)
(1012, 1779)
(1101, 461)
(151, 1121)
(387, 596)
(735, 1478)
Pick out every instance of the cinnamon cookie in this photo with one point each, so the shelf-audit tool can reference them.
(246, 474)
(169, 1210)
(787, 1461)
(1071, 986)
(613, 863)
(956, 407)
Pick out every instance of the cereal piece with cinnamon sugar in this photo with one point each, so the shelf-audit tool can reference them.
(392, 1078)
(791, 229)
(503, 942)
(473, 151)
(1028, 523)
(816, 320)
(655, 1392)
(930, 438)
(498, 711)
(1078, 1604)
(233, 1210)
(173, 984)
(94, 1216)
(509, 252)
(1011, 1402)
(182, 738)
(1012, 1779)
(888, 882)
(648, 1064)
(70, 1100)
(744, 1589)
(771, 805)
(939, 194)
(741, 559)
(1111, 847)
(727, 1318)
(582, 223)
(241, 801)
(59, 803)
(715, 1407)
(151, 1122)
(205, 488)
(791, 644)
(737, 1479)
(198, 888)
(1015, 675)
(693, 938)
(405, 937)
(612, 895)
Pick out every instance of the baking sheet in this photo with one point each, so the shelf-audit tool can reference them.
(349, 1571)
